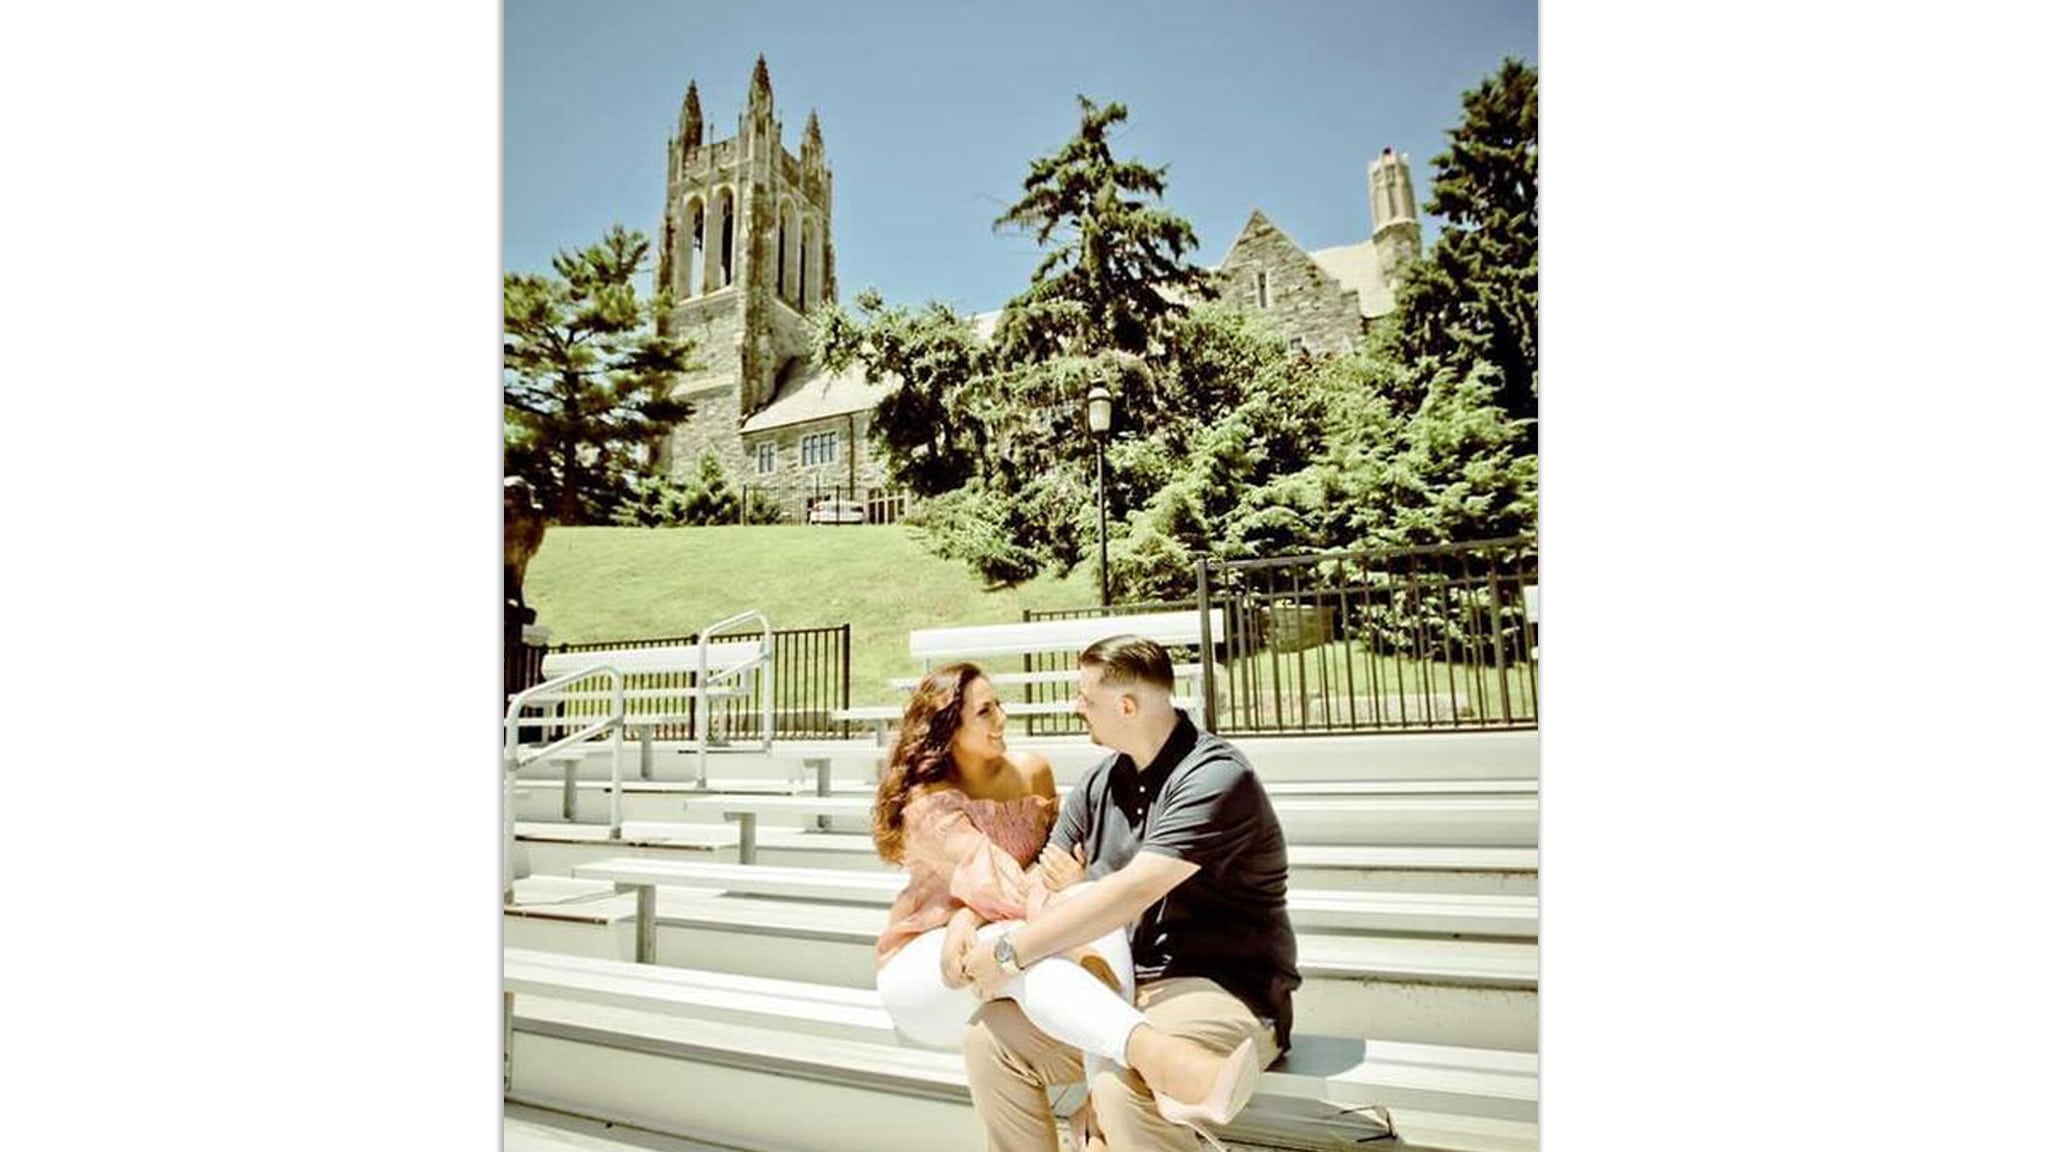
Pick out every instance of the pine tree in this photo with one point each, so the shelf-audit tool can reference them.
(1118, 274)
(586, 377)
(1472, 300)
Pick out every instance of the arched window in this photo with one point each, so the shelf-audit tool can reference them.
(814, 263)
(803, 270)
(783, 243)
(668, 257)
(693, 261)
(725, 231)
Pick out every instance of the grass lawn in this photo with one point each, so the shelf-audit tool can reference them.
(592, 584)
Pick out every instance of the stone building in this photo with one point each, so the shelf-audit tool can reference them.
(1321, 301)
(746, 250)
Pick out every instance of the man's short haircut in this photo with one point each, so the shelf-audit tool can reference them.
(1128, 659)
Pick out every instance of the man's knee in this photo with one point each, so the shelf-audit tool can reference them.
(986, 1048)
(983, 1051)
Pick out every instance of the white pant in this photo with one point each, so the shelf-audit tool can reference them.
(1062, 998)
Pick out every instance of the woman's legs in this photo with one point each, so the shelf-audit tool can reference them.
(1065, 1000)
(1062, 998)
(1069, 1003)
(923, 1009)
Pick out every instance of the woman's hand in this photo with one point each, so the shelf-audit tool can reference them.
(1057, 869)
(958, 943)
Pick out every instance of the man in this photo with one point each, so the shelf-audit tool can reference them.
(1185, 850)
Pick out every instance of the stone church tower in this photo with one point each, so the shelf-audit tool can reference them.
(1396, 230)
(745, 249)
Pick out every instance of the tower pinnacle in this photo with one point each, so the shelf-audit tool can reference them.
(691, 126)
(760, 95)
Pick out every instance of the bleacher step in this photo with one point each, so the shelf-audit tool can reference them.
(529, 1129)
(1475, 821)
(1308, 908)
(1478, 993)
(560, 848)
(1277, 759)
(621, 1064)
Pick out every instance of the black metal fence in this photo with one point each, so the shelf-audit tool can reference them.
(1410, 639)
(1435, 638)
(827, 505)
(522, 661)
(813, 673)
(1438, 637)
(1063, 725)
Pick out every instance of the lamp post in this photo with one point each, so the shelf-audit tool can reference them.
(1098, 430)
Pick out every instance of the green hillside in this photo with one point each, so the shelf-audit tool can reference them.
(624, 583)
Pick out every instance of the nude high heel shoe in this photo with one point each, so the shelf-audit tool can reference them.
(1235, 1083)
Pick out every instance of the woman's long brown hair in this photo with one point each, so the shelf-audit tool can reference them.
(922, 753)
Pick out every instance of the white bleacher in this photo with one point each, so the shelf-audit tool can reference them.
(1337, 758)
(639, 1032)
(1412, 885)
(557, 849)
(1062, 676)
(1424, 988)
(540, 798)
(584, 697)
(934, 646)
(1493, 821)
(666, 685)
(1450, 915)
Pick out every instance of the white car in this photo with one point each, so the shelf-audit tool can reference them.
(838, 512)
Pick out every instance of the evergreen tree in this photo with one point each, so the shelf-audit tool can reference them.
(994, 436)
(707, 498)
(1117, 274)
(586, 377)
(1472, 300)
(1454, 470)
(929, 426)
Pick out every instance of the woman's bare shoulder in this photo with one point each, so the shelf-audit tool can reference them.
(1036, 771)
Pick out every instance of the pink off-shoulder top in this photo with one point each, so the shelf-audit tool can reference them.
(962, 851)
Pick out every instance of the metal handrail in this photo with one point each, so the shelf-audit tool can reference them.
(705, 677)
(614, 721)
(513, 721)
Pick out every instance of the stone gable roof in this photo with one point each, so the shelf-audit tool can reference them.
(1355, 267)
(815, 394)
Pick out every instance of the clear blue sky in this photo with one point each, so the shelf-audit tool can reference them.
(932, 112)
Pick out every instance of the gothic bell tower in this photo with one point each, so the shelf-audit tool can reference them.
(745, 254)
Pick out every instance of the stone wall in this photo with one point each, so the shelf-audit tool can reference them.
(859, 462)
(712, 324)
(793, 485)
(713, 429)
(1303, 303)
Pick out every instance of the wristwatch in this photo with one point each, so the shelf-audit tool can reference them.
(1006, 955)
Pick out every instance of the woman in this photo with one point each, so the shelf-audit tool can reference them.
(960, 813)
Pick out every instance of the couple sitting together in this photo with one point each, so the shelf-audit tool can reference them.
(1135, 937)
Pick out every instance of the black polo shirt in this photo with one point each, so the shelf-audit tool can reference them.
(1198, 801)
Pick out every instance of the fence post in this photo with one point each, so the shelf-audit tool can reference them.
(845, 675)
(1209, 717)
